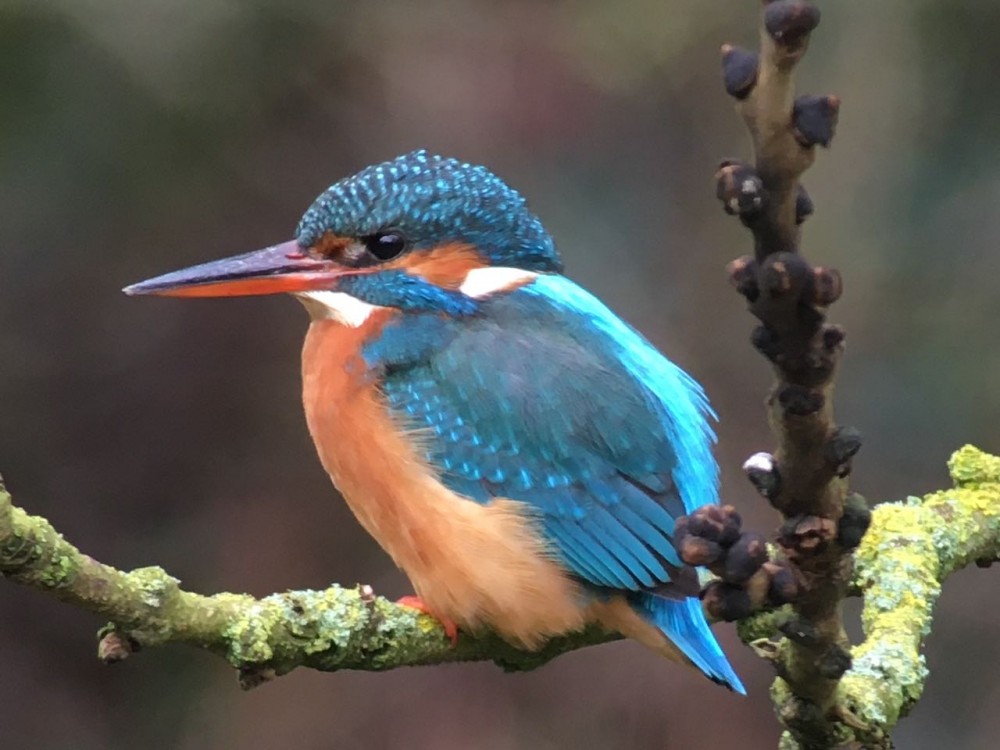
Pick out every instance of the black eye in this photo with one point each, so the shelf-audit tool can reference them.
(385, 245)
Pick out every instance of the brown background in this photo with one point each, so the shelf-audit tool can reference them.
(140, 137)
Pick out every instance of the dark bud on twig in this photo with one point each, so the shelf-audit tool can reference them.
(740, 189)
(783, 587)
(833, 336)
(698, 551)
(715, 523)
(703, 537)
(804, 207)
(855, 521)
(799, 630)
(724, 601)
(115, 647)
(789, 22)
(827, 286)
(766, 342)
(744, 558)
(763, 473)
(799, 401)
(776, 278)
(814, 119)
(739, 70)
(834, 663)
(730, 525)
(842, 446)
(806, 535)
(785, 273)
(743, 276)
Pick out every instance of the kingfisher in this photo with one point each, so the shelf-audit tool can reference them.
(519, 451)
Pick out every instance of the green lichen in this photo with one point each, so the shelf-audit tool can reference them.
(59, 572)
(972, 526)
(761, 625)
(335, 628)
(970, 466)
(249, 634)
(320, 621)
(899, 567)
(887, 676)
(153, 584)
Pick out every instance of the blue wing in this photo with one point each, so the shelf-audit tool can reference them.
(548, 398)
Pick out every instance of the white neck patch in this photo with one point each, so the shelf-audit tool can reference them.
(482, 282)
(350, 311)
(338, 306)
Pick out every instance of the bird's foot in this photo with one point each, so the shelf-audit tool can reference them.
(415, 602)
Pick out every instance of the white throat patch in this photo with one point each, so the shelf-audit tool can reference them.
(338, 306)
(482, 282)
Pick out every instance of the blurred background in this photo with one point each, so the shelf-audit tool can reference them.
(136, 138)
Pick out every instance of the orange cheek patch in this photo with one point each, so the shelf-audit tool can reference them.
(445, 266)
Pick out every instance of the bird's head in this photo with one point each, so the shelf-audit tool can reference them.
(404, 234)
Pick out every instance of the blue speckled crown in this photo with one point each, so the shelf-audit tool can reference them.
(433, 200)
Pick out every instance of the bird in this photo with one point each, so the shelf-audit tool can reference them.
(517, 449)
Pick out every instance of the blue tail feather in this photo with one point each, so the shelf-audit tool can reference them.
(684, 623)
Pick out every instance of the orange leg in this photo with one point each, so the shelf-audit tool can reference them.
(415, 602)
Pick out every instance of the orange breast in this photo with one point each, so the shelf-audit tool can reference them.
(474, 564)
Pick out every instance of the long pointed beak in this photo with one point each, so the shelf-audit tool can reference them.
(273, 270)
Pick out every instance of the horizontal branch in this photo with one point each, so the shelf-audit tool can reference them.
(908, 551)
(337, 628)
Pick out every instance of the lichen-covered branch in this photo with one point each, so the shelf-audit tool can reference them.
(909, 550)
(337, 628)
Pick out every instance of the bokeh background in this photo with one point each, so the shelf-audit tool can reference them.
(139, 137)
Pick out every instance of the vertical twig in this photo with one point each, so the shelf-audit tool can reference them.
(806, 477)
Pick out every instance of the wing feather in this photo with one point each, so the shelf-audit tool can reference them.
(561, 406)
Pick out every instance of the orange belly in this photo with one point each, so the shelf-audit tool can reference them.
(478, 565)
